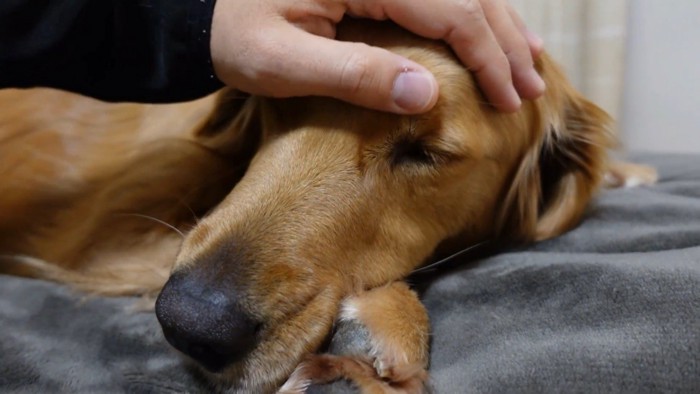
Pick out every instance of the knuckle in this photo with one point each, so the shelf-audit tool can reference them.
(472, 9)
(518, 51)
(495, 60)
(502, 62)
(466, 13)
(355, 74)
(370, 9)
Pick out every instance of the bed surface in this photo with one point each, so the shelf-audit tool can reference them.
(612, 306)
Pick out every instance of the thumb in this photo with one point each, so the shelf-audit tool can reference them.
(357, 73)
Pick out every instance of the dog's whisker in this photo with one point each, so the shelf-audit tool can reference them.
(36, 264)
(17, 259)
(184, 203)
(448, 258)
(166, 224)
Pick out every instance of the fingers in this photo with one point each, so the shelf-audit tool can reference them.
(478, 46)
(533, 40)
(353, 72)
(511, 38)
(484, 35)
(284, 48)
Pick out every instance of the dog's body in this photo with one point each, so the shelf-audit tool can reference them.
(75, 169)
(333, 206)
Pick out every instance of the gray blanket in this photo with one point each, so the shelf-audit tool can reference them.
(612, 306)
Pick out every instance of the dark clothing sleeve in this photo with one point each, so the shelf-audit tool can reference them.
(114, 50)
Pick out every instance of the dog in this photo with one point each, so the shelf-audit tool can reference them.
(261, 222)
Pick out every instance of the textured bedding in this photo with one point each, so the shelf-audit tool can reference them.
(612, 306)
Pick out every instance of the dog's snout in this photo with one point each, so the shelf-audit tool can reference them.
(204, 320)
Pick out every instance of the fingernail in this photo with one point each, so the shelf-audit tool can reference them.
(534, 40)
(537, 82)
(512, 101)
(531, 85)
(413, 91)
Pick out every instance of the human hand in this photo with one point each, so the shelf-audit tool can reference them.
(284, 48)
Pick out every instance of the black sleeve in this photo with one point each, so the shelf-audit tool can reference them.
(114, 50)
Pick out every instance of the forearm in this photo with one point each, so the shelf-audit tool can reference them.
(118, 50)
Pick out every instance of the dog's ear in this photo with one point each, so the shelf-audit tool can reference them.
(233, 126)
(561, 171)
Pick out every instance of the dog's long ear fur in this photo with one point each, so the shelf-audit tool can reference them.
(562, 170)
(233, 127)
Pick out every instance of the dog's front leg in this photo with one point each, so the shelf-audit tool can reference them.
(380, 345)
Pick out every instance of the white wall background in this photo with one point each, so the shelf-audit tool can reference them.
(587, 37)
(638, 59)
(661, 94)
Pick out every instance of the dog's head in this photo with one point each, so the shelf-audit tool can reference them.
(339, 198)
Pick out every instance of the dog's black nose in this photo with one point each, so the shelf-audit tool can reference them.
(203, 319)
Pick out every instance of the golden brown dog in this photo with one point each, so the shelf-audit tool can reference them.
(312, 209)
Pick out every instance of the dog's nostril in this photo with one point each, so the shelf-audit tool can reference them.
(204, 322)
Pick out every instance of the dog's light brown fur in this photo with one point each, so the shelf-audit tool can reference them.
(330, 200)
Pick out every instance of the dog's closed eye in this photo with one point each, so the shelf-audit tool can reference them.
(419, 152)
(410, 151)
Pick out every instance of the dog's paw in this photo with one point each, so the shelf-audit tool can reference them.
(380, 345)
(404, 375)
(320, 369)
(626, 175)
(392, 321)
(326, 368)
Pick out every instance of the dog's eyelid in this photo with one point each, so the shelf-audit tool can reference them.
(421, 151)
(445, 147)
(444, 156)
(408, 150)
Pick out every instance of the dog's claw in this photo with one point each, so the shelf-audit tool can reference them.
(380, 367)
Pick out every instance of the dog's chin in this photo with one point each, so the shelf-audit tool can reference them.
(259, 372)
(242, 377)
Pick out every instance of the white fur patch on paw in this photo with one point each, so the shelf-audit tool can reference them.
(628, 175)
(298, 381)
